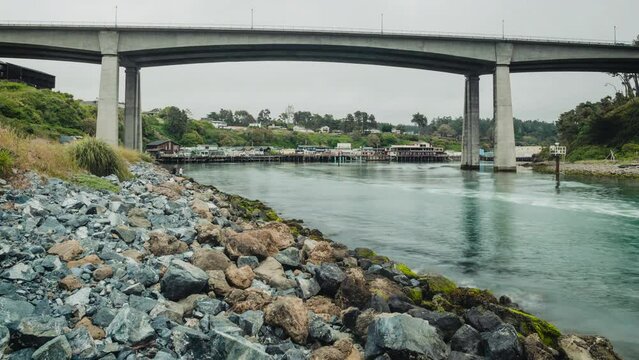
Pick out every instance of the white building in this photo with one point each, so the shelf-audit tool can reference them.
(219, 124)
(325, 129)
(301, 129)
(255, 125)
(396, 131)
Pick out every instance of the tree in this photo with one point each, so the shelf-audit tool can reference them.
(226, 116)
(372, 123)
(264, 117)
(386, 127)
(421, 121)
(191, 138)
(287, 115)
(176, 121)
(445, 130)
(630, 82)
(373, 140)
(243, 118)
(302, 118)
(213, 116)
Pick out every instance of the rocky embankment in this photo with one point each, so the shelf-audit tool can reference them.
(170, 269)
(599, 169)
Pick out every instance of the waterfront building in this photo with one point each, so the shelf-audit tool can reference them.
(415, 150)
(162, 147)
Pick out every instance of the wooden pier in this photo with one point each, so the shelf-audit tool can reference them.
(306, 158)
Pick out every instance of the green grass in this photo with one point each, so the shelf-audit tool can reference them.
(94, 182)
(99, 158)
(6, 163)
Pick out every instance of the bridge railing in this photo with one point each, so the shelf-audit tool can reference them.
(326, 30)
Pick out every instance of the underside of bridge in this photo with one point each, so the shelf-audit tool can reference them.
(136, 48)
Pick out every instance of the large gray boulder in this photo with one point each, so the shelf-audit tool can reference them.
(402, 336)
(502, 344)
(183, 279)
(447, 323)
(190, 343)
(4, 338)
(482, 320)
(329, 276)
(12, 311)
(37, 330)
(57, 348)
(229, 347)
(130, 326)
(466, 340)
(81, 342)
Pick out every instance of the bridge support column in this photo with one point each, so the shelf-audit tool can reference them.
(503, 112)
(132, 119)
(107, 122)
(470, 130)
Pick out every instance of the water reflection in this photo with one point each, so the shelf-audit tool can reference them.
(503, 218)
(471, 226)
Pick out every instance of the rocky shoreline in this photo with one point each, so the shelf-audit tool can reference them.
(598, 169)
(167, 268)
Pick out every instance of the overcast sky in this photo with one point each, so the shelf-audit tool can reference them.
(392, 94)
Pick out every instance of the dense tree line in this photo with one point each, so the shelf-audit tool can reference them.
(357, 121)
(593, 129)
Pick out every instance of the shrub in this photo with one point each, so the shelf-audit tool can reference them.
(588, 152)
(99, 158)
(629, 151)
(6, 163)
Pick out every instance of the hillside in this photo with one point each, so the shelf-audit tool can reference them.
(592, 130)
(44, 113)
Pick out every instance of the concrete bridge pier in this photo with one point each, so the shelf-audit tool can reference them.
(470, 129)
(503, 111)
(132, 109)
(107, 122)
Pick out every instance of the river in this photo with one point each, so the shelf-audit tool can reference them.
(569, 255)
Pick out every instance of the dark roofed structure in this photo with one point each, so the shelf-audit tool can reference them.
(159, 147)
(38, 79)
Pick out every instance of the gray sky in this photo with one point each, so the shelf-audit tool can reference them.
(392, 94)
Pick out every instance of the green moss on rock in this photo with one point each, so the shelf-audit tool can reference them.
(470, 297)
(271, 215)
(438, 303)
(250, 209)
(406, 270)
(548, 333)
(364, 253)
(415, 294)
(438, 284)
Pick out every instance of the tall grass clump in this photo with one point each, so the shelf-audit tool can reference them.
(36, 154)
(6, 163)
(99, 158)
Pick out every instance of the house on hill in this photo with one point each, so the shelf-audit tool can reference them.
(159, 147)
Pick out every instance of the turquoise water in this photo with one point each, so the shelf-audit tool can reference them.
(570, 256)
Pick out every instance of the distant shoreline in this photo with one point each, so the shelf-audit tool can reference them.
(590, 168)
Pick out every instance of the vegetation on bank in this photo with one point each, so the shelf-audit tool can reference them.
(81, 162)
(44, 113)
(592, 131)
(175, 124)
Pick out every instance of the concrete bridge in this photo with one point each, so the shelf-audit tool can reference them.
(135, 47)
